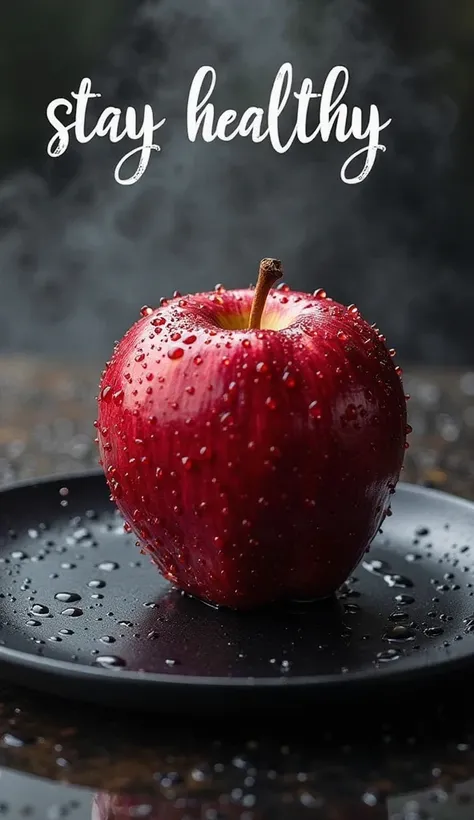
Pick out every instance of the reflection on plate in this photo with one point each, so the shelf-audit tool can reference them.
(80, 604)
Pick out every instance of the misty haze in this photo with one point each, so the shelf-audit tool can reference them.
(80, 254)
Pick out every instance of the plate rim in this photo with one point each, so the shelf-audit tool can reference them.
(410, 670)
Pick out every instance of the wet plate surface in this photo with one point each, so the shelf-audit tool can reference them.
(82, 613)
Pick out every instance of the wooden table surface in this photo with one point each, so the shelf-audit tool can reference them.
(387, 767)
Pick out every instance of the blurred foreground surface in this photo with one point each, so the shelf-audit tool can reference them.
(390, 762)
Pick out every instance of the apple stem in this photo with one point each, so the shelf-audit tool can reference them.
(269, 272)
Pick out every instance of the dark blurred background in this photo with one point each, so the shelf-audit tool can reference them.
(80, 254)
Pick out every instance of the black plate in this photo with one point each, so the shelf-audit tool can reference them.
(407, 614)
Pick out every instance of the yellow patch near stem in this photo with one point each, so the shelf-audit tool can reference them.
(271, 320)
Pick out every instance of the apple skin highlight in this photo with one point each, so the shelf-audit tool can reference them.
(252, 465)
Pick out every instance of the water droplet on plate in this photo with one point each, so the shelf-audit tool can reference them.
(72, 612)
(108, 566)
(375, 566)
(398, 616)
(110, 661)
(388, 655)
(67, 597)
(399, 633)
(95, 584)
(433, 631)
(40, 609)
(404, 600)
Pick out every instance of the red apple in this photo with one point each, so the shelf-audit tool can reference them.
(253, 464)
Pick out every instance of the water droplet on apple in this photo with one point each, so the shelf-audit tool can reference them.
(118, 397)
(175, 337)
(189, 340)
(146, 310)
(261, 367)
(140, 357)
(315, 410)
(271, 403)
(197, 360)
(106, 393)
(175, 353)
(320, 293)
(288, 379)
(187, 463)
(395, 580)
